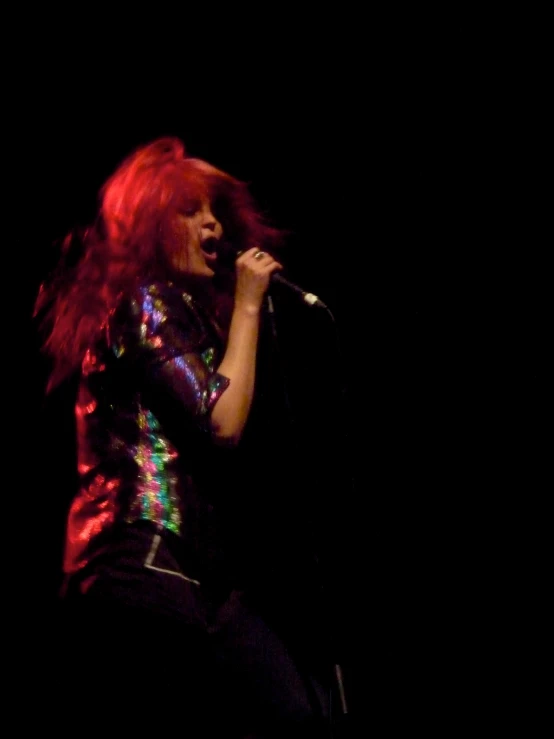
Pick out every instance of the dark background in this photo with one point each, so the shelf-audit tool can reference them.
(397, 166)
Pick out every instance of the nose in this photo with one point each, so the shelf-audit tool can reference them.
(209, 221)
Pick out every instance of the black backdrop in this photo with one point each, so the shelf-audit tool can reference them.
(390, 170)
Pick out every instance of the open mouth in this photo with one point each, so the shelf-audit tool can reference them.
(209, 249)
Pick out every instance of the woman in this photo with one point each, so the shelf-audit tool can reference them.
(164, 338)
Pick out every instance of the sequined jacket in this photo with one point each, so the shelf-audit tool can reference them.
(144, 447)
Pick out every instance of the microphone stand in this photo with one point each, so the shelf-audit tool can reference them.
(337, 724)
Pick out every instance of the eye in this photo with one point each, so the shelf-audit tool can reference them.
(190, 208)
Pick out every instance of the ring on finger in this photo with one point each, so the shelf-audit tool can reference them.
(259, 255)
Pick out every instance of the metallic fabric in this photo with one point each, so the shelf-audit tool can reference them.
(144, 448)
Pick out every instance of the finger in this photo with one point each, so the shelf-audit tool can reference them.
(262, 258)
(265, 259)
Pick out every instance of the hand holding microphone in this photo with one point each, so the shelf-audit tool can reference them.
(229, 255)
(254, 268)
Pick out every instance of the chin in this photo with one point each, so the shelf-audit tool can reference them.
(204, 273)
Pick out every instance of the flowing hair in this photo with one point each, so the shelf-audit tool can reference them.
(133, 238)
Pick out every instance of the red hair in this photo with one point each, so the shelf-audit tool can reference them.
(133, 239)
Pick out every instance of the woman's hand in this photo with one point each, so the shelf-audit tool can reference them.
(253, 269)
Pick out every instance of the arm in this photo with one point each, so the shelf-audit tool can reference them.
(166, 354)
(230, 412)
(161, 345)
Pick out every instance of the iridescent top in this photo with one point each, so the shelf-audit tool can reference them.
(144, 447)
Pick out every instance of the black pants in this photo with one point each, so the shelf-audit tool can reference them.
(213, 668)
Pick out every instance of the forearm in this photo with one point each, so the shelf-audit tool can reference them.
(230, 413)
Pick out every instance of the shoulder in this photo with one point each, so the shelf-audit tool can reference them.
(153, 313)
(151, 303)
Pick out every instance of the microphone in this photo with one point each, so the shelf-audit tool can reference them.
(228, 255)
(308, 298)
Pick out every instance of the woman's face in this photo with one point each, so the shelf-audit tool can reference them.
(201, 231)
